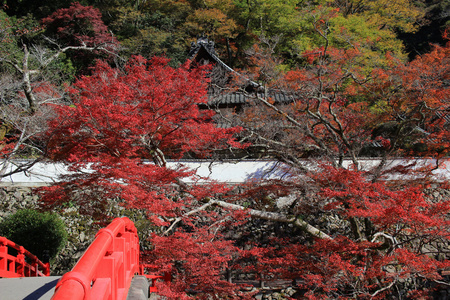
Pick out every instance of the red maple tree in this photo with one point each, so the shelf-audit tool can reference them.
(414, 98)
(116, 136)
(375, 240)
(81, 26)
(367, 237)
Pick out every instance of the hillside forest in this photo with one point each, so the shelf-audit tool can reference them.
(108, 85)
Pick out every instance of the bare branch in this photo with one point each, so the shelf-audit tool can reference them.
(271, 216)
(383, 289)
(386, 236)
(27, 82)
(177, 220)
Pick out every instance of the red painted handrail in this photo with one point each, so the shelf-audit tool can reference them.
(107, 267)
(154, 276)
(24, 264)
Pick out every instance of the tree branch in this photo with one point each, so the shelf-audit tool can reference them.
(177, 220)
(27, 82)
(271, 216)
(383, 289)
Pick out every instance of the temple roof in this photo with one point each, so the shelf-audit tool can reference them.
(203, 52)
(237, 97)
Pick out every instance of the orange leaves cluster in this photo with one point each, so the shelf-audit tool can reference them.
(416, 95)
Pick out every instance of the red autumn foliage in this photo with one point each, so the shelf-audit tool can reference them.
(383, 237)
(117, 134)
(78, 26)
(415, 98)
(376, 239)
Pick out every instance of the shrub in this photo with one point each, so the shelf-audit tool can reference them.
(43, 234)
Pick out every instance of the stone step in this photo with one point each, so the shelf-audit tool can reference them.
(138, 289)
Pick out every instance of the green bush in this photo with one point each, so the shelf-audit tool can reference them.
(43, 234)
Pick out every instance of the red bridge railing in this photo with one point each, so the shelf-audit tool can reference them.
(24, 264)
(153, 276)
(107, 267)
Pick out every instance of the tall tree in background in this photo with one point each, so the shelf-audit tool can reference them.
(35, 71)
(168, 27)
(37, 8)
(159, 30)
(81, 26)
(370, 230)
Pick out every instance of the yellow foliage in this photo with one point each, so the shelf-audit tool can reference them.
(400, 14)
(212, 21)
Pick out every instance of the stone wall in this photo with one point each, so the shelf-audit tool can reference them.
(13, 198)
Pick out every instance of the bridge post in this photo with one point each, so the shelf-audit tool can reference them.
(3, 254)
(47, 269)
(20, 263)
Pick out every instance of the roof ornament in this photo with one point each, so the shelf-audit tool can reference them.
(202, 40)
